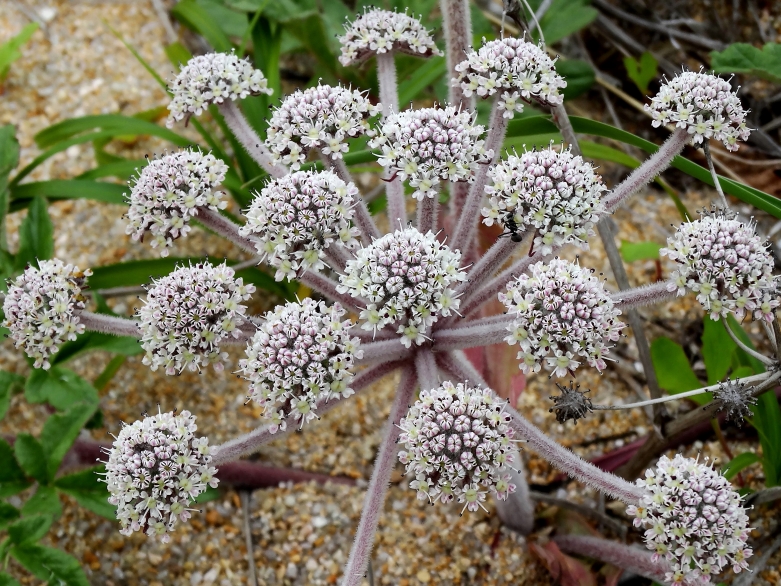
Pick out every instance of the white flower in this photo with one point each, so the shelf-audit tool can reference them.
(379, 31)
(301, 355)
(458, 445)
(155, 469)
(295, 218)
(211, 79)
(42, 308)
(189, 313)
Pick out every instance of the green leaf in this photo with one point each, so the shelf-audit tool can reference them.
(6, 580)
(44, 502)
(12, 477)
(767, 420)
(29, 529)
(210, 494)
(8, 513)
(673, 370)
(579, 74)
(743, 357)
(232, 23)
(68, 189)
(178, 54)
(86, 487)
(8, 381)
(89, 341)
(641, 72)
(744, 58)
(192, 15)
(61, 430)
(31, 457)
(565, 17)
(632, 251)
(738, 464)
(36, 235)
(60, 387)
(427, 74)
(54, 565)
(9, 51)
(121, 170)
(717, 349)
(9, 158)
(104, 378)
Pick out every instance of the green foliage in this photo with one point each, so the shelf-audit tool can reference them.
(565, 17)
(61, 430)
(31, 457)
(632, 251)
(12, 477)
(85, 487)
(47, 563)
(641, 71)
(59, 387)
(36, 235)
(10, 50)
(8, 382)
(29, 529)
(9, 158)
(579, 74)
(8, 514)
(44, 502)
(744, 58)
(738, 464)
(6, 580)
(672, 367)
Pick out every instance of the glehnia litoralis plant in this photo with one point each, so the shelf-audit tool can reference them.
(412, 293)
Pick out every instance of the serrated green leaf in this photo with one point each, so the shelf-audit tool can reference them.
(641, 71)
(36, 234)
(31, 457)
(44, 502)
(717, 349)
(29, 529)
(61, 430)
(9, 158)
(12, 477)
(192, 15)
(738, 464)
(47, 563)
(86, 488)
(745, 58)
(8, 381)
(673, 370)
(59, 387)
(579, 74)
(8, 514)
(6, 580)
(632, 251)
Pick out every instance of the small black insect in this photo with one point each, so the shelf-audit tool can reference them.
(512, 228)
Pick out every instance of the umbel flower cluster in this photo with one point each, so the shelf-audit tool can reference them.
(554, 193)
(321, 117)
(213, 79)
(294, 219)
(726, 264)
(300, 356)
(694, 520)
(379, 31)
(157, 466)
(42, 308)
(432, 144)
(169, 191)
(561, 311)
(457, 442)
(188, 314)
(406, 277)
(516, 70)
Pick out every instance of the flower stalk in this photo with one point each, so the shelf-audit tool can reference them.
(249, 139)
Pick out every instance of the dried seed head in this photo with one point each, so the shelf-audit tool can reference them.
(516, 69)
(571, 404)
(380, 31)
(704, 104)
(458, 445)
(301, 355)
(693, 519)
(736, 399)
(169, 191)
(155, 469)
(42, 308)
(212, 79)
(294, 218)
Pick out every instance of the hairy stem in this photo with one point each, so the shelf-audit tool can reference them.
(479, 332)
(328, 287)
(457, 25)
(249, 139)
(751, 352)
(716, 182)
(378, 485)
(363, 219)
(384, 350)
(426, 369)
(489, 263)
(108, 324)
(252, 441)
(517, 511)
(646, 172)
(622, 556)
(223, 226)
(561, 119)
(470, 214)
(645, 295)
(427, 213)
(386, 77)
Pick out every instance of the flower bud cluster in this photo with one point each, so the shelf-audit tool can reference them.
(294, 218)
(693, 519)
(406, 277)
(430, 144)
(212, 79)
(562, 311)
(726, 264)
(155, 469)
(189, 313)
(704, 104)
(458, 445)
(321, 117)
(516, 69)
(300, 356)
(557, 194)
(42, 308)
(169, 191)
(380, 31)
